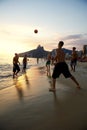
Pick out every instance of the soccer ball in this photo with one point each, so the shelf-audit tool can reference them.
(35, 31)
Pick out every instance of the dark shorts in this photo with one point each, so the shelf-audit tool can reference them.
(16, 68)
(61, 68)
(48, 62)
(73, 62)
(24, 66)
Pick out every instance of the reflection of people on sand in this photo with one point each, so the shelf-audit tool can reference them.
(61, 67)
(16, 63)
(19, 88)
(24, 63)
(26, 79)
(48, 64)
(74, 57)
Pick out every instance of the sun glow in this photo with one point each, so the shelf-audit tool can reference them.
(20, 38)
(16, 38)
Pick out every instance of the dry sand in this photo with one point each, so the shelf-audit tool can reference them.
(28, 105)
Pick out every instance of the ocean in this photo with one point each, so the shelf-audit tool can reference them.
(6, 70)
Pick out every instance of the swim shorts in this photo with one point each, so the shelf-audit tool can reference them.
(61, 68)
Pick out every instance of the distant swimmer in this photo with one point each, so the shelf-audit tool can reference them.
(16, 63)
(61, 67)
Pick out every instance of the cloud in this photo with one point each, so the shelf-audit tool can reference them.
(24, 35)
(75, 36)
(77, 40)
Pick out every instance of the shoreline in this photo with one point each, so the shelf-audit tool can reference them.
(28, 105)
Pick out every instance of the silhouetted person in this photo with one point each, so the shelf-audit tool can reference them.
(25, 63)
(16, 63)
(61, 67)
(74, 57)
(48, 64)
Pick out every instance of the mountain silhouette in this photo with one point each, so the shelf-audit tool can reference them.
(39, 52)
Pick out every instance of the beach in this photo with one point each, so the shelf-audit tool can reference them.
(28, 104)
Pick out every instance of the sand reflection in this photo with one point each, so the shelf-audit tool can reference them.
(26, 80)
(18, 86)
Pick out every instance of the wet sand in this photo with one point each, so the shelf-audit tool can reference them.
(28, 105)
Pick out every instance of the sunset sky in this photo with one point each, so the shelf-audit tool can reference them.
(55, 20)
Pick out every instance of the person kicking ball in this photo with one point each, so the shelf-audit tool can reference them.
(61, 67)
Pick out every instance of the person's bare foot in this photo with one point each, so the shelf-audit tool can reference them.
(78, 87)
(52, 89)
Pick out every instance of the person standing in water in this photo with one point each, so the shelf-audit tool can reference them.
(16, 64)
(24, 63)
(61, 68)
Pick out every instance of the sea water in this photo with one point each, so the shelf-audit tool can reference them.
(6, 70)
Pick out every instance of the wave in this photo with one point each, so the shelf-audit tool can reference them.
(5, 76)
(6, 71)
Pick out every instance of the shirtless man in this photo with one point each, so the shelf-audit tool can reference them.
(16, 63)
(61, 67)
(24, 63)
(73, 59)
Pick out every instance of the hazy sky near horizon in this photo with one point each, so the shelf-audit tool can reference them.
(55, 20)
